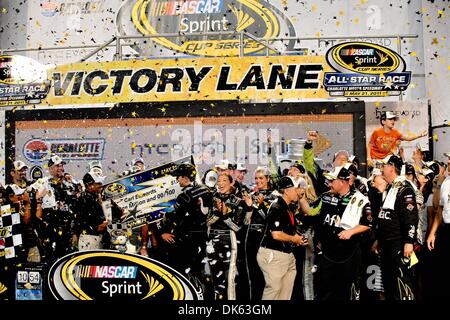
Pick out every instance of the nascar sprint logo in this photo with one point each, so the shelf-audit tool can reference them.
(258, 18)
(110, 275)
(22, 81)
(365, 69)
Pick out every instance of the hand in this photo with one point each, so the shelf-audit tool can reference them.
(375, 248)
(312, 136)
(248, 199)
(430, 241)
(260, 199)
(298, 240)
(102, 227)
(408, 250)
(168, 237)
(41, 193)
(345, 235)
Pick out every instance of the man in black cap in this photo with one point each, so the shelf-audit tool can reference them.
(185, 229)
(397, 231)
(91, 223)
(275, 255)
(55, 226)
(344, 213)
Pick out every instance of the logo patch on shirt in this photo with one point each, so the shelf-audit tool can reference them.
(410, 207)
(277, 224)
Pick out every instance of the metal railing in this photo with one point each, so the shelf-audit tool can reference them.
(117, 42)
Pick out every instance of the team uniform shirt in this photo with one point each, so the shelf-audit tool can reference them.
(280, 218)
(188, 215)
(330, 209)
(234, 217)
(445, 200)
(398, 217)
(383, 143)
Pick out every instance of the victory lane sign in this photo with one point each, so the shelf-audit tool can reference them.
(188, 79)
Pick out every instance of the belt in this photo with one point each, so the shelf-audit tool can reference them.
(219, 231)
(283, 250)
(256, 227)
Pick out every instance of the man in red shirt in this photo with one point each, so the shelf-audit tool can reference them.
(385, 140)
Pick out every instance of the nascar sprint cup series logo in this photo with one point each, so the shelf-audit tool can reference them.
(224, 17)
(365, 69)
(111, 275)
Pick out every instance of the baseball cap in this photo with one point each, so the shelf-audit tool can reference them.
(298, 164)
(428, 173)
(55, 160)
(409, 169)
(240, 167)
(93, 177)
(393, 160)
(340, 172)
(344, 152)
(375, 172)
(351, 168)
(137, 160)
(19, 165)
(225, 165)
(388, 115)
(285, 183)
(434, 166)
(184, 169)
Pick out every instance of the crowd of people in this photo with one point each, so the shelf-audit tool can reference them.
(298, 234)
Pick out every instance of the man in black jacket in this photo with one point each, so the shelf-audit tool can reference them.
(91, 223)
(185, 229)
(396, 231)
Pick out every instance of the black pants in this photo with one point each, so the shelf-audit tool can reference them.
(338, 280)
(398, 279)
(253, 276)
(222, 257)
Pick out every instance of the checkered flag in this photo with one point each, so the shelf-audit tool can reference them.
(10, 235)
(117, 226)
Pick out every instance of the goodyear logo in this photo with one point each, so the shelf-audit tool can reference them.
(110, 275)
(365, 69)
(258, 18)
(22, 81)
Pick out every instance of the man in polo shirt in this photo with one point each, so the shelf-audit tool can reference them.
(275, 256)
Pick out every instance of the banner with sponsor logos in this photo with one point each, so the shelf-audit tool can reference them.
(108, 275)
(360, 69)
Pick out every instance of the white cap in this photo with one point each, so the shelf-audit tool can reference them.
(240, 167)
(19, 165)
(223, 164)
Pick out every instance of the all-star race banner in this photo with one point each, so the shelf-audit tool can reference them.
(227, 78)
(146, 195)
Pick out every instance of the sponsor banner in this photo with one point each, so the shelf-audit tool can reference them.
(146, 195)
(189, 79)
(113, 276)
(36, 150)
(365, 69)
(22, 81)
